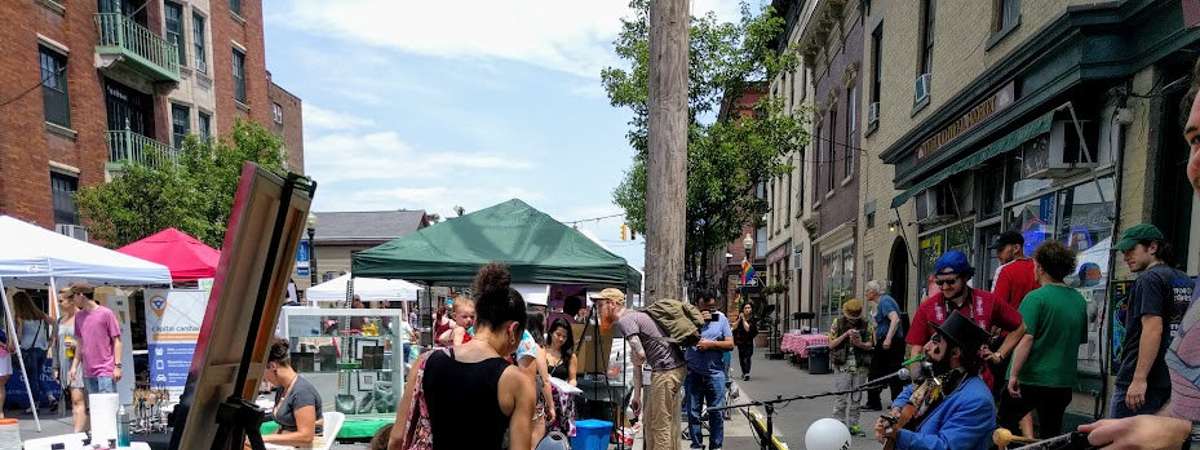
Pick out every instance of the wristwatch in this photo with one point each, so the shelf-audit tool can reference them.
(118, 365)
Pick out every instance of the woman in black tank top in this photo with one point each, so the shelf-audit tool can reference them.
(473, 395)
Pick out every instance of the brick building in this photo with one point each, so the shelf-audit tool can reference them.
(830, 41)
(1057, 119)
(287, 121)
(86, 86)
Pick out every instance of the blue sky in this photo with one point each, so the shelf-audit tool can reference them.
(429, 105)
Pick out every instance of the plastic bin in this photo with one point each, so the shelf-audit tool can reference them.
(591, 434)
(818, 359)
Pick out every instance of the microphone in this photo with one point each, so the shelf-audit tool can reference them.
(902, 374)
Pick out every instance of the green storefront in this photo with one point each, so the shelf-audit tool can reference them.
(1053, 141)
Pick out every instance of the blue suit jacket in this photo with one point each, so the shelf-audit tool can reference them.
(963, 421)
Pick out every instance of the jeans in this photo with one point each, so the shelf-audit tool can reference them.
(745, 354)
(702, 389)
(34, 361)
(1049, 402)
(99, 385)
(1156, 398)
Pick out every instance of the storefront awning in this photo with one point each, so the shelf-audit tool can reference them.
(1012, 140)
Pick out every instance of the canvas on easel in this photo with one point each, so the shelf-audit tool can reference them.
(592, 358)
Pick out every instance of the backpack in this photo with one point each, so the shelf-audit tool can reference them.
(679, 321)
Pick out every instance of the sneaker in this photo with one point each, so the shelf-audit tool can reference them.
(856, 430)
(746, 377)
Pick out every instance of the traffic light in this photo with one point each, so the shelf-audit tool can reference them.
(624, 232)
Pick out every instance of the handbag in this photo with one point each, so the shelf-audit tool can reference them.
(419, 433)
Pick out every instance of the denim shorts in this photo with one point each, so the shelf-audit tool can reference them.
(99, 385)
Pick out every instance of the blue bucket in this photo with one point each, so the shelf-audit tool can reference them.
(591, 434)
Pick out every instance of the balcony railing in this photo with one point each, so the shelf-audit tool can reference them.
(145, 52)
(125, 147)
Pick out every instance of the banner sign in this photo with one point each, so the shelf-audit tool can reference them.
(173, 319)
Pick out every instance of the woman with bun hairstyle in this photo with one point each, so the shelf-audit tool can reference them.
(297, 402)
(470, 392)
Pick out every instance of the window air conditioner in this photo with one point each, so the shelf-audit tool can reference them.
(922, 88)
(1059, 153)
(930, 206)
(75, 231)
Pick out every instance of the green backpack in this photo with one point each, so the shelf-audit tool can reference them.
(680, 321)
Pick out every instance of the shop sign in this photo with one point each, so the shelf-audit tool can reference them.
(173, 319)
(977, 115)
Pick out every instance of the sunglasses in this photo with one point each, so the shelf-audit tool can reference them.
(947, 282)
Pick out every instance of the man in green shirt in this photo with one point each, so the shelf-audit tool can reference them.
(1043, 371)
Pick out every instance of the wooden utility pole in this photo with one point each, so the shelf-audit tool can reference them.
(666, 183)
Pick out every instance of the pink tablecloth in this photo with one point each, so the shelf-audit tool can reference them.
(798, 343)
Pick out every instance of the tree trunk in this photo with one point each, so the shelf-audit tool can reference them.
(666, 185)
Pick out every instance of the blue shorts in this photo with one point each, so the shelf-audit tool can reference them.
(99, 385)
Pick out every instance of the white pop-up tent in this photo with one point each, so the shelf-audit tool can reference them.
(34, 257)
(368, 289)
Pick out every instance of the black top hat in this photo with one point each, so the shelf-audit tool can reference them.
(964, 333)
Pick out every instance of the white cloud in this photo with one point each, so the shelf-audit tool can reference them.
(343, 156)
(570, 36)
(318, 117)
(434, 199)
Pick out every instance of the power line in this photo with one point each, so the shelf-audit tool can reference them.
(593, 219)
(40, 83)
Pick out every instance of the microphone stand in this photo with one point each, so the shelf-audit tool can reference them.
(770, 405)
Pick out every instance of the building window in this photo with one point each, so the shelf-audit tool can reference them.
(174, 18)
(235, 6)
(851, 130)
(787, 219)
(62, 189)
(239, 76)
(876, 66)
(833, 150)
(800, 187)
(870, 220)
(180, 124)
(1005, 15)
(277, 113)
(204, 128)
(198, 43)
(55, 103)
(927, 24)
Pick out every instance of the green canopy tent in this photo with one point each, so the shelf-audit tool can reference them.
(537, 249)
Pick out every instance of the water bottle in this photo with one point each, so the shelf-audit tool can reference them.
(122, 427)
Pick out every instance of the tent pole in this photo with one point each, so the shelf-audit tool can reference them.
(13, 335)
(56, 312)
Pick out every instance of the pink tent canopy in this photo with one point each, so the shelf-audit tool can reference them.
(186, 257)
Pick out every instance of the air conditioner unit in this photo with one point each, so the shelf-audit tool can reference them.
(922, 88)
(873, 114)
(1059, 153)
(930, 206)
(797, 257)
(75, 231)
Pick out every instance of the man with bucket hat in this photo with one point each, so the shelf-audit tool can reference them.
(955, 409)
(951, 273)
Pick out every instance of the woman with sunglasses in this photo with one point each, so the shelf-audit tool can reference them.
(951, 272)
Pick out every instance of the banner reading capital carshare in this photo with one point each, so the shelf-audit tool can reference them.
(173, 319)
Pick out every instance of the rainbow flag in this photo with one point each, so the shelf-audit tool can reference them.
(747, 271)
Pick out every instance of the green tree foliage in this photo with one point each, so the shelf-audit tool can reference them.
(726, 158)
(195, 194)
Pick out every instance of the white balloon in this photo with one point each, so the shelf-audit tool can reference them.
(827, 434)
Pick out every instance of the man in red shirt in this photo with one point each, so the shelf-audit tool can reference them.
(951, 272)
(1015, 276)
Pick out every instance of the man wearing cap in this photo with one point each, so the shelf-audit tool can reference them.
(1157, 301)
(648, 345)
(951, 273)
(1014, 277)
(959, 414)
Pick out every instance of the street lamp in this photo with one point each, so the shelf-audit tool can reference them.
(312, 249)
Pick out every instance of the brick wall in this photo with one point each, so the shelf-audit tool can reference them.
(292, 129)
(230, 31)
(27, 147)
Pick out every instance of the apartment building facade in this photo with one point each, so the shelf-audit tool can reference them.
(1057, 119)
(88, 86)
